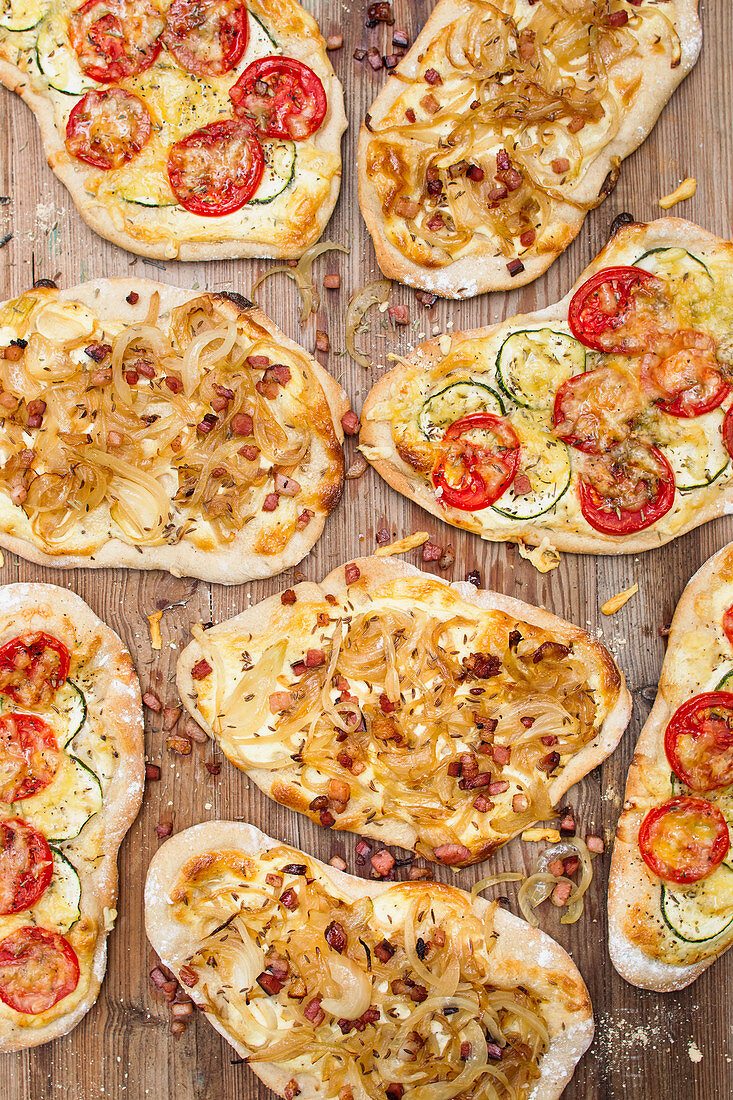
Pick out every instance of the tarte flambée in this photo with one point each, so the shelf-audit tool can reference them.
(71, 783)
(386, 702)
(325, 982)
(191, 129)
(149, 427)
(504, 124)
(600, 425)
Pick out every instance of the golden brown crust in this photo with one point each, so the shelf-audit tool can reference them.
(522, 954)
(643, 949)
(260, 549)
(485, 267)
(564, 526)
(28, 607)
(283, 228)
(380, 576)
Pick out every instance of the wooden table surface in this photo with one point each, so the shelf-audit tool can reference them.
(647, 1045)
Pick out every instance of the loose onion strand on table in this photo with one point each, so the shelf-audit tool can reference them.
(558, 95)
(487, 1040)
(373, 294)
(302, 276)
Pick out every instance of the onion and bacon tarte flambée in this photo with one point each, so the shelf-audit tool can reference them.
(386, 702)
(154, 428)
(183, 129)
(504, 125)
(600, 424)
(330, 986)
(670, 902)
(71, 783)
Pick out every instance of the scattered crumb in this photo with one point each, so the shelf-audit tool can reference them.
(694, 1052)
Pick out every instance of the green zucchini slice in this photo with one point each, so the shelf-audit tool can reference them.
(532, 363)
(57, 60)
(545, 462)
(22, 15)
(279, 170)
(695, 450)
(71, 707)
(701, 912)
(677, 265)
(455, 401)
(60, 904)
(260, 43)
(61, 810)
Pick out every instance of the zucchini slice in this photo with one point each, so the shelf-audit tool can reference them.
(279, 170)
(701, 912)
(545, 461)
(57, 60)
(71, 707)
(60, 905)
(695, 450)
(455, 401)
(726, 684)
(260, 43)
(677, 265)
(62, 809)
(22, 15)
(532, 363)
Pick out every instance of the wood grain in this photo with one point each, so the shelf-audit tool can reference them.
(123, 1048)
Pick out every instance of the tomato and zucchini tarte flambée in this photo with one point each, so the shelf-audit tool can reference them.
(154, 428)
(71, 783)
(183, 129)
(329, 985)
(600, 424)
(386, 702)
(670, 903)
(504, 125)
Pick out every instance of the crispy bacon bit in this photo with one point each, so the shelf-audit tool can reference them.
(339, 790)
(433, 77)
(430, 104)
(452, 853)
(416, 874)
(406, 208)
(304, 518)
(618, 18)
(410, 115)
(258, 362)
(350, 423)
(152, 773)
(499, 787)
(400, 39)
(399, 314)
(595, 844)
(187, 976)
(289, 899)
(528, 238)
(494, 1051)
(570, 865)
(274, 880)
(163, 829)
(431, 552)
(482, 665)
(352, 573)
(322, 341)
(549, 763)
(333, 42)
(418, 994)
(314, 1012)
(395, 1092)
(560, 165)
(292, 1089)
(482, 804)
(375, 58)
(359, 54)
(483, 779)
(280, 701)
(288, 597)
(269, 983)
(98, 352)
(515, 267)
(561, 893)
(327, 819)
(553, 651)
(567, 822)
(465, 1051)
(332, 282)
(556, 867)
(36, 409)
(152, 702)
(382, 862)
(384, 951)
(286, 486)
(336, 936)
(363, 848)
(201, 669)
(178, 744)
(208, 424)
(549, 739)
(380, 12)
(501, 753)
(338, 862)
(267, 388)
(271, 502)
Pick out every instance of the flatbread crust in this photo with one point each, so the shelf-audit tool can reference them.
(285, 785)
(643, 949)
(523, 954)
(283, 228)
(564, 526)
(46, 607)
(239, 560)
(485, 267)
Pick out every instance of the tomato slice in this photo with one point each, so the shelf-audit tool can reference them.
(29, 756)
(687, 382)
(108, 128)
(282, 97)
(684, 839)
(728, 431)
(33, 667)
(207, 37)
(618, 309)
(728, 624)
(217, 169)
(698, 741)
(26, 865)
(38, 968)
(624, 494)
(593, 411)
(471, 474)
(114, 39)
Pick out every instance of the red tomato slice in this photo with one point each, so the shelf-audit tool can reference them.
(472, 475)
(33, 667)
(26, 866)
(684, 839)
(29, 756)
(282, 97)
(593, 411)
(114, 39)
(728, 431)
(624, 497)
(728, 624)
(617, 309)
(698, 741)
(207, 37)
(217, 169)
(38, 968)
(108, 128)
(688, 379)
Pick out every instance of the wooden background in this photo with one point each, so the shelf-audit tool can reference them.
(646, 1044)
